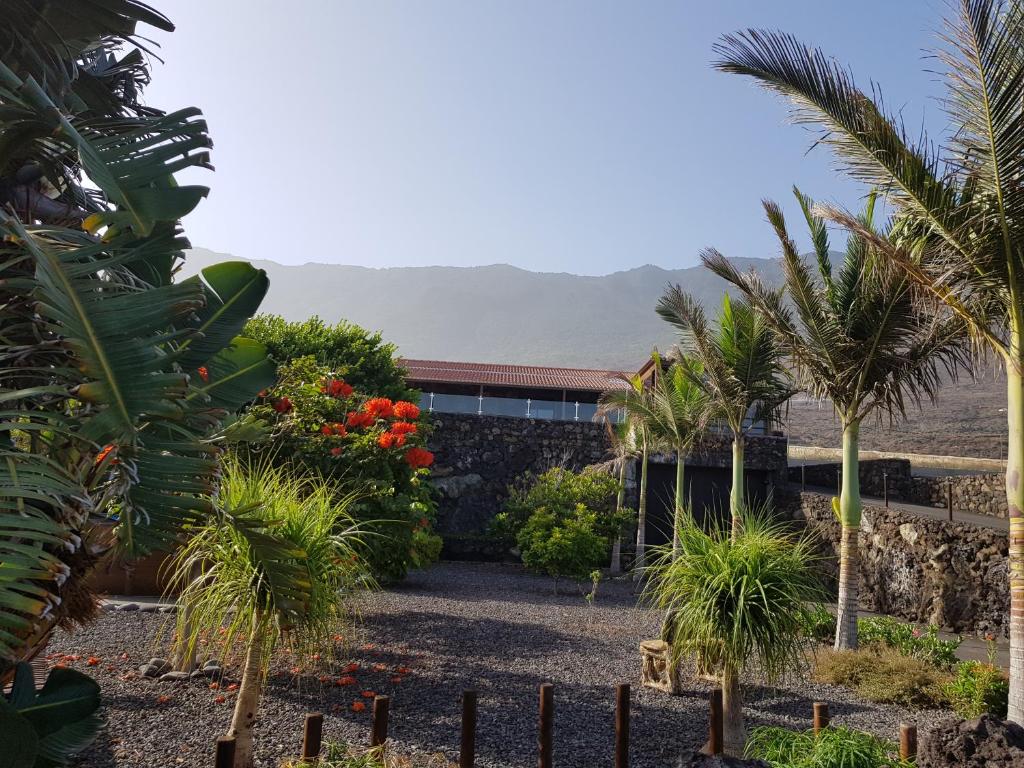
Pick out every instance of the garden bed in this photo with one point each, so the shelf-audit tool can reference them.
(456, 626)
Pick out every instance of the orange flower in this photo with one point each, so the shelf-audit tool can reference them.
(337, 388)
(203, 373)
(339, 638)
(163, 699)
(379, 408)
(405, 410)
(336, 451)
(387, 440)
(219, 699)
(368, 694)
(368, 646)
(379, 667)
(403, 428)
(396, 678)
(347, 680)
(283, 405)
(353, 667)
(358, 706)
(418, 457)
(92, 661)
(233, 687)
(104, 453)
(339, 429)
(326, 429)
(214, 686)
(403, 670)
(359, 420)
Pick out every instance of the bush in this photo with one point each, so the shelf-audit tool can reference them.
(367, 446)
(833, 746)
(562, 545)
(337, 755)
(819, 624)
(884, 675)
(978, 688)
(886, 632)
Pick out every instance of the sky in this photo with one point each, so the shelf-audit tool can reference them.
(578, 136)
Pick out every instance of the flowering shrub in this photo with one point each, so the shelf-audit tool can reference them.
(978, 688)
(371, 447)
(909, 639)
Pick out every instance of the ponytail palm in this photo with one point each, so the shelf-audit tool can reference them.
(963, 202)
(739, 366)
(859, 338)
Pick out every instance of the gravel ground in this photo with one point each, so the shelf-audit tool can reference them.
(456, 626)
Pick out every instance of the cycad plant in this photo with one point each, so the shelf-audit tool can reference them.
(738, 364)
(115, 379)
(857, 337)
(279, 564)
(733, 602)
(962, 202)
(634, 401)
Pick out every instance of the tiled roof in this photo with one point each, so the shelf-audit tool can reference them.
(497, 374)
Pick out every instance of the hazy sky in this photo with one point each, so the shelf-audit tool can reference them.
(556, 135)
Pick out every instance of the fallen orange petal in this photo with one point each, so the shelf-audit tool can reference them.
(368, 694)
(358, 706)
(396, 679)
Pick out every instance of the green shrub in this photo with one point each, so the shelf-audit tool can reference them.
(833, 747)
(978, 688)
(909, 639)
(562, 545)
(884, 675)
(819, 624)
(337, 755)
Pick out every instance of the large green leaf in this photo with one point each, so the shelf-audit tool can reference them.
(236, 374)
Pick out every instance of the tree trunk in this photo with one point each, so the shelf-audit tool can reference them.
(620, 502)
(734, 732)
(188, 649)
(736, 496)
(1015, 505)
(678, 519)
(248, 699)
(641, 519)
(849, 561)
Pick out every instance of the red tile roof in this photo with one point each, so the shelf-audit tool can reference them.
(498, 374)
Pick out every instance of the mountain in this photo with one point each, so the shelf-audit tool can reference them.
(493, 314)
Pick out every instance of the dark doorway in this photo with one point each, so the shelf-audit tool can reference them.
(706, 489)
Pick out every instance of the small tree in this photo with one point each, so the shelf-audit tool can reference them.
(730, 602)
(275, 566)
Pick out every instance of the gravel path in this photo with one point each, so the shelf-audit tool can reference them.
(456, 626)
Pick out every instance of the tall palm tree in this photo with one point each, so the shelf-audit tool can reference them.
(962, 202)
(635, 401)
(622, 440)
(738, 364)
(860, 339)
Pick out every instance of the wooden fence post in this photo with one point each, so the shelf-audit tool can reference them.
(547, 725)
(225, 756)
(715, 723)
(949, 499)
(467, 747)
(885, 488)
(379, 732)
(312, 735)
(622, 726)
(821, 717)
(908, 741)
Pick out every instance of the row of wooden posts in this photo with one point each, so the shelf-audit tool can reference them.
(885, 489)
(312, 736)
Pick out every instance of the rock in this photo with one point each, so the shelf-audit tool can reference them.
(155, 667)
(174, 677)
(453, 487)
(983, 743)
(168, 608)
(700, 760)
(149, 608)
(128, 607)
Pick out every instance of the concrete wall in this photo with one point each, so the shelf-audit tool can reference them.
(950, 574)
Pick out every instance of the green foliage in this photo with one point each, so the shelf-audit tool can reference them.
(819, 624)
(560, 492)
(977, 688)
(392, 497)
(361, 357)
(884, 675)
(46, 728)
(339, 755)
(731, 602)
(833, 747)
(909, 639)
(562, 544)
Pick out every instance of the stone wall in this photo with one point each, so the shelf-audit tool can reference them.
(920, 569)
(477, 457)
(983, 494)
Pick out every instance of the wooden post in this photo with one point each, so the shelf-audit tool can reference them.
(622, 726)
(467, 747)
(715, 723)
(885, 488)
(312, 735)
(225, 752)
(803, 477)
(821, 718)
(949, 499)
(547, 725)
(379, 732)
(908, 741)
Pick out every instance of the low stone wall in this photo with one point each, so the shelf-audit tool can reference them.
(981, 494)
(920, 569)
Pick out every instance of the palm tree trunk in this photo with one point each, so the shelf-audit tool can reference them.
(736, 495)
(186, 655)
(734, 732)
(1015, 505)
(849, 560)
(641, 518)
(678, 519)
(244, 717)
(620, 501)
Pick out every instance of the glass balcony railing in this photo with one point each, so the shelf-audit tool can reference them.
(523, 408)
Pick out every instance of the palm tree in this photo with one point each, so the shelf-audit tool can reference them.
(276, 565)
(739, 366)
(962, 203)
(730, 601)
(635, 401)
(622, 440)
(114, 375)
(859, 339)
